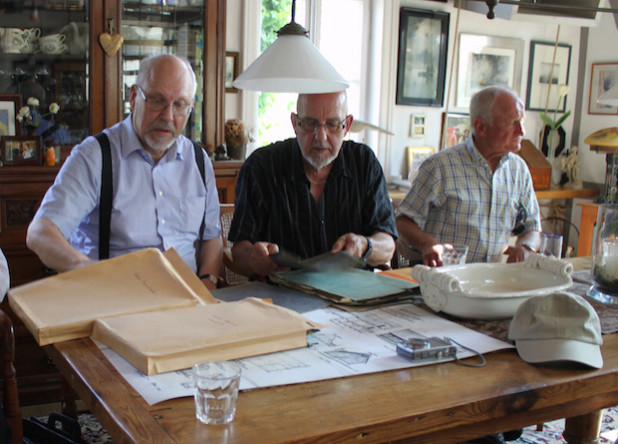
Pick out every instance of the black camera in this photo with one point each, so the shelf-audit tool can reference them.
(426, 349)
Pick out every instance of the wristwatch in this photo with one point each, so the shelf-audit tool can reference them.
(210, 277)
(369, 249)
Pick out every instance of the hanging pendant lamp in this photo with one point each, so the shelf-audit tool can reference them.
(291, 64)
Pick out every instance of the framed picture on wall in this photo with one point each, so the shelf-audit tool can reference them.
(487, 61)
(545, 75)
(603, 78)
(455, 129)
(21, 150)
(417, 125)
(421, 65)
(9, 107)
(416, 156)
(231, 70)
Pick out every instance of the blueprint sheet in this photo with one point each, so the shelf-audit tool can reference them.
(354, 343)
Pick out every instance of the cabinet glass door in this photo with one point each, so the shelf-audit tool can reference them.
(152, 27)
(44, 60)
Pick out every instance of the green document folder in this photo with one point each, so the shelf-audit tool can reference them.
(350, 286)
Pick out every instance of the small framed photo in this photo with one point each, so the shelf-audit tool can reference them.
(416, 156)
(417, 125)
(421, 65)
(21, 150)
(10, 105)
(456, 127)
(604, 77)
(231, 70)
(545, 73)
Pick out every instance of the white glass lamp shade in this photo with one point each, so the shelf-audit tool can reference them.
(291, 64)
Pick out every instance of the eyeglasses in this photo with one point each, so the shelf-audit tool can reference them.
(311, 125)
(158, 104)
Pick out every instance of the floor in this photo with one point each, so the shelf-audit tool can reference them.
(94, 433)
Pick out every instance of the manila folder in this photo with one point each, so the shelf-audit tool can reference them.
(168, 340)
(65, 306)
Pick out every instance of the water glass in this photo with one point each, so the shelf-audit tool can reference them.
(551, 245)
(454, 254)
(605, 256)
(216, 391)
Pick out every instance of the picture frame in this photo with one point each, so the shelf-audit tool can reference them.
(604, 76)
(231, 70)
(416, 156)
(539, 70)
(10, 104)
(423, 45)
(417, 125)
(21, 150)
(484, 61)
(456, 127)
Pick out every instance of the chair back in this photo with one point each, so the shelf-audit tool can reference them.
(9, 382)
(226, 213)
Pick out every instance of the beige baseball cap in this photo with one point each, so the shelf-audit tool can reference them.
(559, 326)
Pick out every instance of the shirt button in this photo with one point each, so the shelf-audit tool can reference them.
(160, 193)
(162, 221)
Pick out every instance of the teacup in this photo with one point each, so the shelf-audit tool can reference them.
(31, 41)
(14, 39)
(53, 44)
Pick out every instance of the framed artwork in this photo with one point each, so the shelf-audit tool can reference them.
(487, 61)
(417, 125)
(604, 77)
(542, 79)
(231, 71)
(416, 156)
(457, 127)
(9, 107)
(421, 65)
(21, 150)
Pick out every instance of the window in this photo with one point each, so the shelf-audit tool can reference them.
(342, 42)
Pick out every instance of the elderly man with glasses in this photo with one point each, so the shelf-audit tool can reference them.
(161, 196)
(312, 194)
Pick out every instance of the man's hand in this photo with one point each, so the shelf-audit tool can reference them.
(432, 255)
(351, 243)
(518, 253)
(254, 259)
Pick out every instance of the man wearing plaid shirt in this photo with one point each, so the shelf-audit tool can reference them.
(477, 193)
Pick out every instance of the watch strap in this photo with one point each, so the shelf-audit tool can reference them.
(369, 249)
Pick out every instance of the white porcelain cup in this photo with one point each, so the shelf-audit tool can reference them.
(14, 39)
(53, 44)
(31, 41)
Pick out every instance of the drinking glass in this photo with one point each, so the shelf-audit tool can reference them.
(216, 391)
(551, 245)
(605, 256)
(454, 254)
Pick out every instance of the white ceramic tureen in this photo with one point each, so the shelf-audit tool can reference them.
(490, 290)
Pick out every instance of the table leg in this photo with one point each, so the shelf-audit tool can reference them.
(68, 397)
(583, 429)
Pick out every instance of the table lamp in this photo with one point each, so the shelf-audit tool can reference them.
(291, 64)
(606, 141)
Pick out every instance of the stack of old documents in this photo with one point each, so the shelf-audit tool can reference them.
(151, 309)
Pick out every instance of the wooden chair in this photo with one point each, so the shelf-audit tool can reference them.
(229, 274)
(10, 400)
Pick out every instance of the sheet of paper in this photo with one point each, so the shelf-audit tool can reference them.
(354, 343)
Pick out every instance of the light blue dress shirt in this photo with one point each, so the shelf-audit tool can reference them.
(457, 199)
(156, 205)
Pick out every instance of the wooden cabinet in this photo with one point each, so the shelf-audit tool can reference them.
(226, 173)
(586, 227)
(88, 84)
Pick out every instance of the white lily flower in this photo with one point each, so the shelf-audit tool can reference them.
(33, 101)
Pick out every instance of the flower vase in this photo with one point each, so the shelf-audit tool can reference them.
(50, 156)
(237, 152)
(553, 140)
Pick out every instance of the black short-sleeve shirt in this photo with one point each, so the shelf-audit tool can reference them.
(274, 204)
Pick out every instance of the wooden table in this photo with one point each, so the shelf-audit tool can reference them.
(440, 403)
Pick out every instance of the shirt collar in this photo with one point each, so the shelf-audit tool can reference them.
(298, 172)
(478, 158)
(131, 143)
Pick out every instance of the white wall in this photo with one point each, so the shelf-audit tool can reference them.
(391, 149)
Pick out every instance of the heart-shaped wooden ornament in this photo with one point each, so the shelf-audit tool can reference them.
(110, 43)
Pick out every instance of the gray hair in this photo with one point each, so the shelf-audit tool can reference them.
(483, 101)
(145, 68)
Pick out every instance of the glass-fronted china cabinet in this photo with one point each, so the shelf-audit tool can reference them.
(50, 53)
